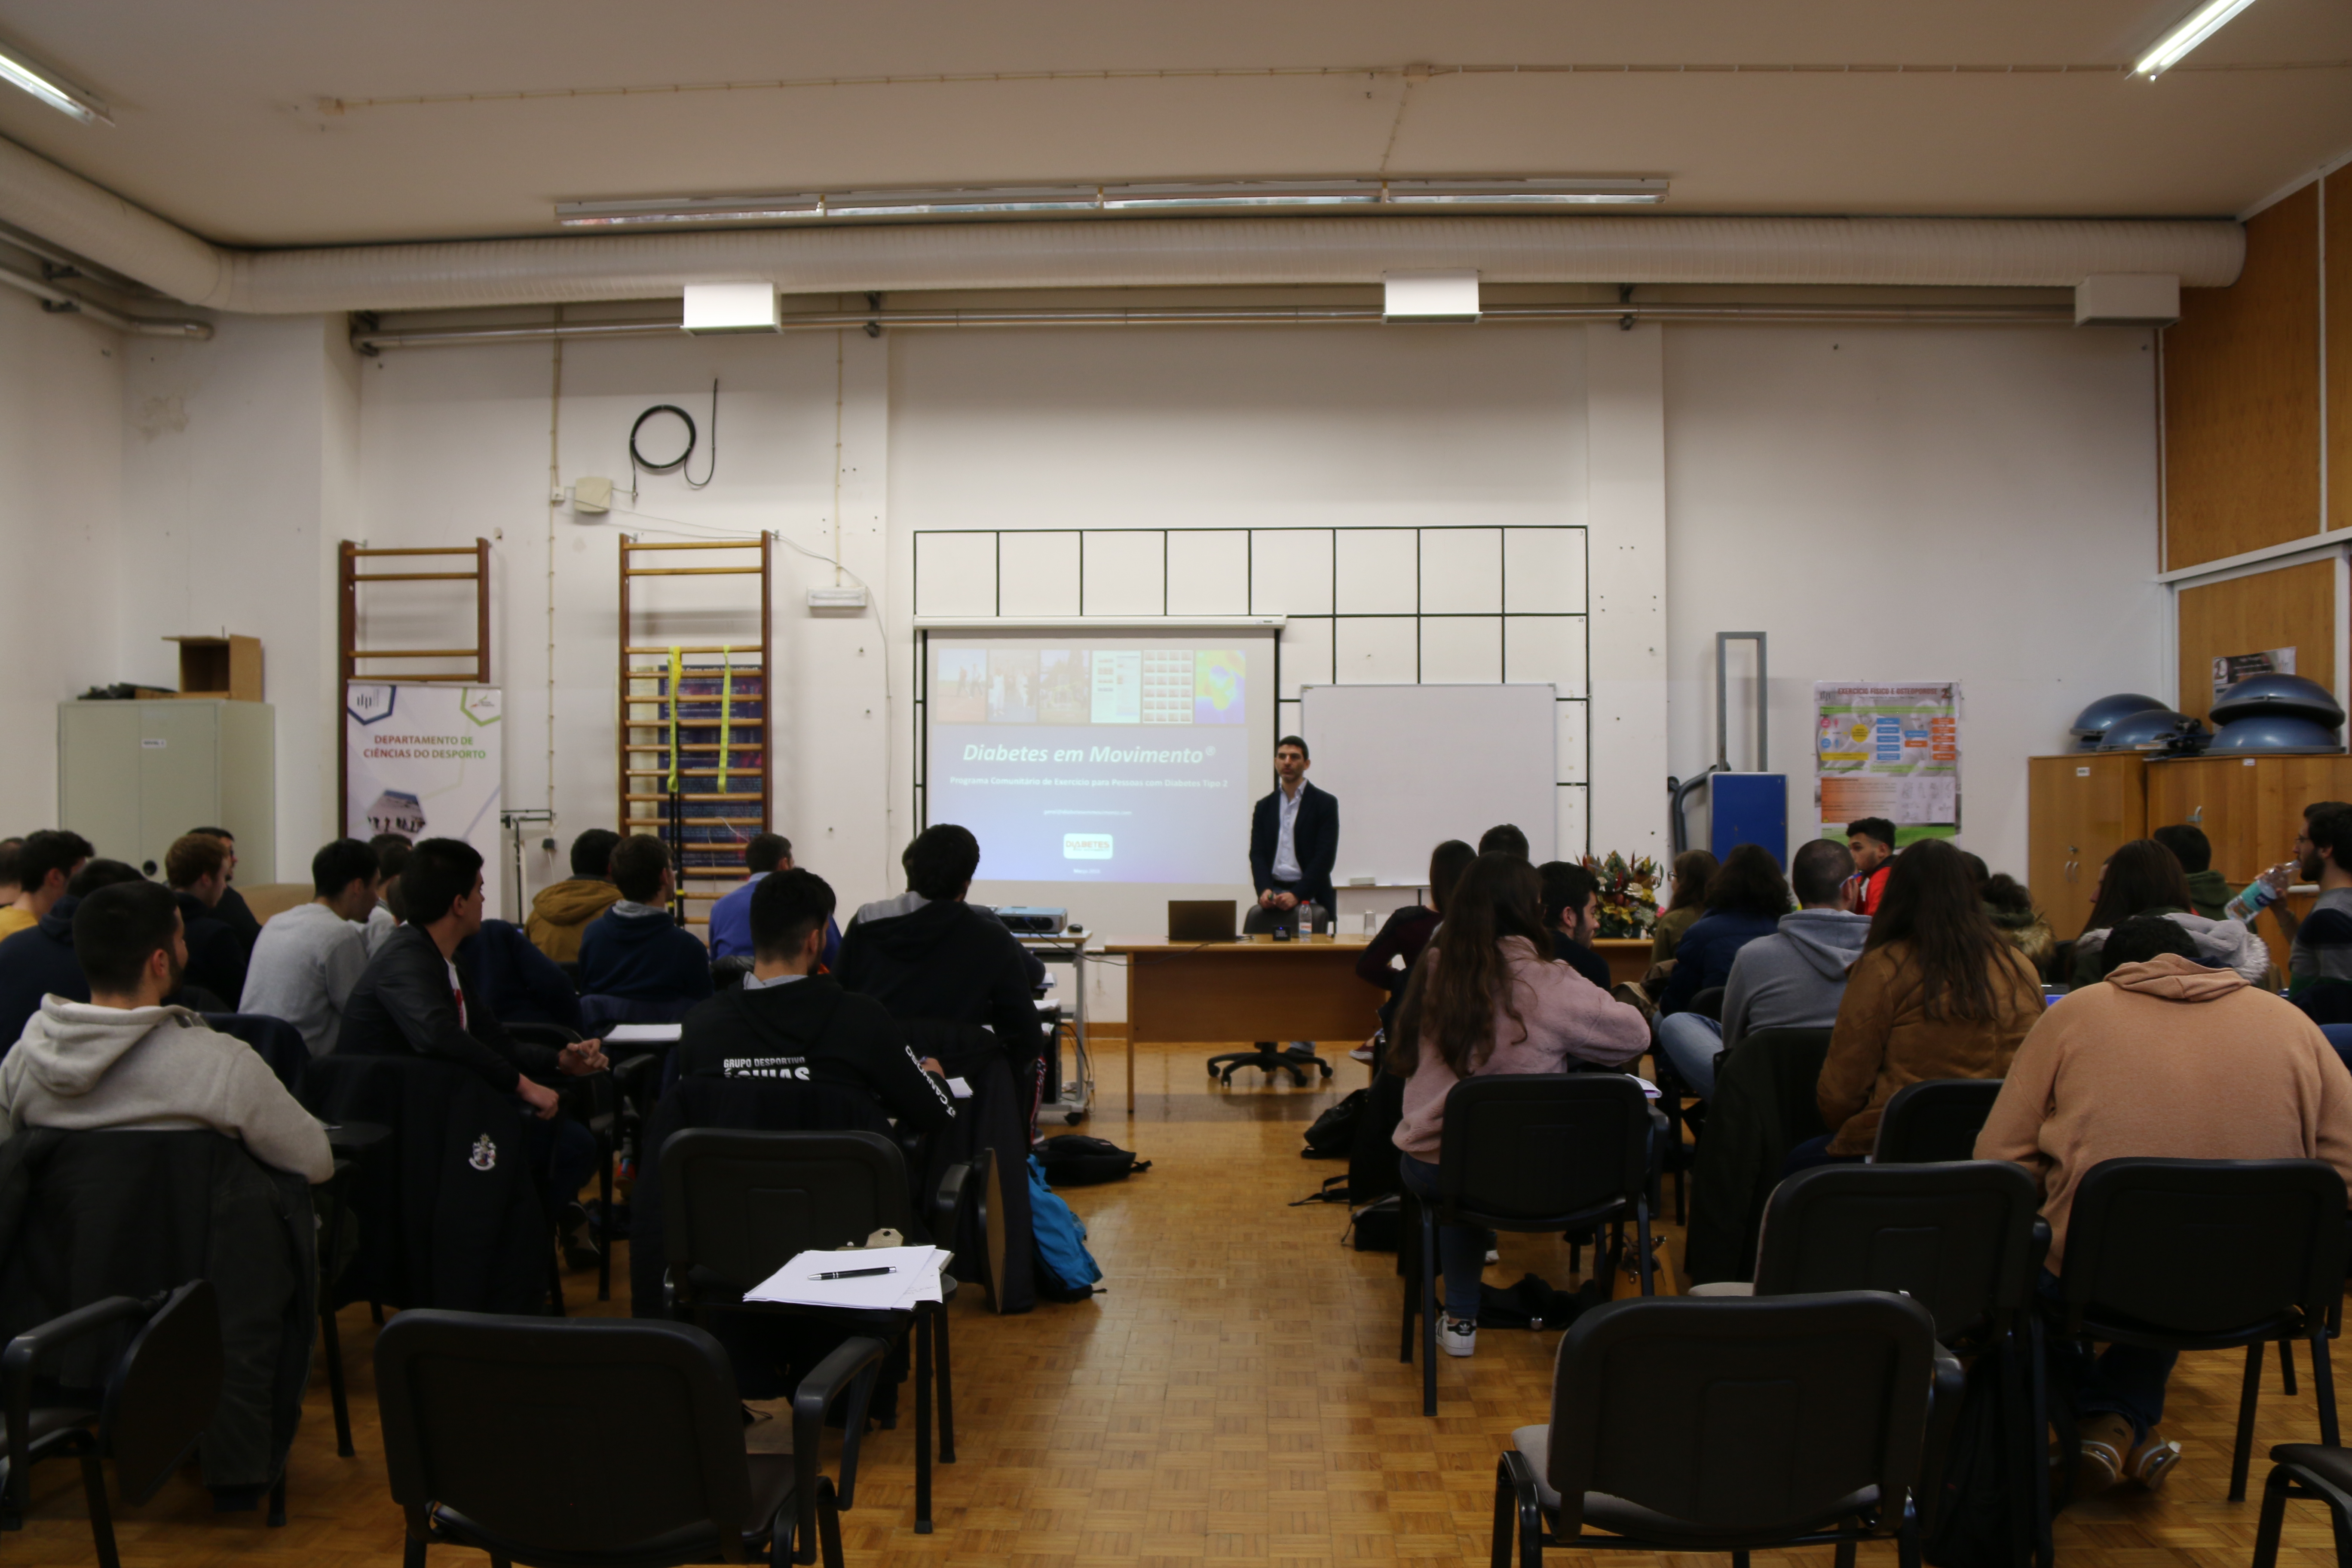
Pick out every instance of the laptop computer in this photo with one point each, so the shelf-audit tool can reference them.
(1201, 920)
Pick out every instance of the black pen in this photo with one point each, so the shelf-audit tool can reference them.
(857, 1273)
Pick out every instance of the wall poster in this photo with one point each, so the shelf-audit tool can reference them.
(1890, 751)
(424, 762)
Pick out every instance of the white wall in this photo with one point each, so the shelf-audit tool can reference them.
(1898, 504)
(1887, 503)
(60, 522)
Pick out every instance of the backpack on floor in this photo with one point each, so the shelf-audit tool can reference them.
(1983, 1503)
(1533, 1303)
(1067, 1271)
(1332, 1135)
(1075, 1160)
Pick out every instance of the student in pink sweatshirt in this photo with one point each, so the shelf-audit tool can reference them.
(1495, 1002)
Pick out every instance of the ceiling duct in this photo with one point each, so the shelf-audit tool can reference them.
(69, 211)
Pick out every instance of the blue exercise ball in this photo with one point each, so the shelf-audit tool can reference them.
(2275, 733)
(2149, 730)
(2291, 696)
(2091, 723)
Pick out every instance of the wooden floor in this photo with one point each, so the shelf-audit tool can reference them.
(1234, 1400)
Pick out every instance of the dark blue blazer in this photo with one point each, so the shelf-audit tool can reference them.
(1315, 837)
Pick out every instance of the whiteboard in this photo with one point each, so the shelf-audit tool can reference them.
(1415, 765)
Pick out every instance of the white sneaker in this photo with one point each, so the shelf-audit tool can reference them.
(1363, 1052)
(1493, 1257)
(1455, 1337)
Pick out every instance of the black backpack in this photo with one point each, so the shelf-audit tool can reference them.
(1983, 1514)
(1075, 1160)
(1333, 1134)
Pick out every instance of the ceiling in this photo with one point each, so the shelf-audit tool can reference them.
(283, 122)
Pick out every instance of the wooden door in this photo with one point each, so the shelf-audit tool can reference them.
(2081, 806)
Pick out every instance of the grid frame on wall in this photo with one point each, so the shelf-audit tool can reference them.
(1316, 629)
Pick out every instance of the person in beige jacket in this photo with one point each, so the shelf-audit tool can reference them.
(2166, 1058)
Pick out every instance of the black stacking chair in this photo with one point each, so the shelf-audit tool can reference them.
(1693, 1426)
(1934, 1121)
(736, 1206)
(1534, 1152)
(2207, 1255)
(1964, 1239)
(468, 1399)
(351, 1142)
(155, 1402)
(2305, 1470)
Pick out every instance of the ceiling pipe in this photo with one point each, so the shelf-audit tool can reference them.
(69, 211)
(57, 300)
(373, 338)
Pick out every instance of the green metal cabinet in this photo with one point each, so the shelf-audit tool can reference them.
(132, 776)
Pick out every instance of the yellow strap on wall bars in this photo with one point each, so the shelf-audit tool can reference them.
(676, 672)
(726, 701)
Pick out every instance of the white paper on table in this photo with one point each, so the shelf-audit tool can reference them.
(960, 1089)
(911, 1269)
(644, 1034)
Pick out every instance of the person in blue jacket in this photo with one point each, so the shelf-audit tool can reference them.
(1745, 901)
(636, 949)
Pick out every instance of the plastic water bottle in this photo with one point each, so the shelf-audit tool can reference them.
(2264, 891)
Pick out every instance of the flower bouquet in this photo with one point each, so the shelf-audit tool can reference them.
(1629, 894)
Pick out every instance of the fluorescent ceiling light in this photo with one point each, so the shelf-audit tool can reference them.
(1448, 295)
(730, 308)
(2202, 24)
(52, 90)
(1206, 195)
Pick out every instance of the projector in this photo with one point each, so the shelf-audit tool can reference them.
(1027, 920)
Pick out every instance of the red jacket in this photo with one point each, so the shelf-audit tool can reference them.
(1870, 888)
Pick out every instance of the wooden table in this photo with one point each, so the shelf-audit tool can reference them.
(1220, 992)
(1628, 957)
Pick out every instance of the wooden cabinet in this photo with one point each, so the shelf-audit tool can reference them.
(2250, 807)
(2080, 807)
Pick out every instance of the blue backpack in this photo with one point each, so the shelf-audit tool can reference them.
(1066, 1270)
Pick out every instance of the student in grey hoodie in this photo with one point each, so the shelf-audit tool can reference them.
(124, 1060)
(1793, 979)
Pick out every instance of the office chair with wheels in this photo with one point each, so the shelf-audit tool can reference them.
(466, 1399)
(1268, 1056)
(1683, 1425)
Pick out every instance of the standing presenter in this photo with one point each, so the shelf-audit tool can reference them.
(1294, 841)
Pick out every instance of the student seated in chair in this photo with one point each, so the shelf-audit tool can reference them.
(310, 956)
(230, 908)
(45, 862)
(786, 1021)
(196, 866)
(2167, 1058)
(123, 1059)
(413, 998)
(1745, 901)
(561, 913)
(764, 855)
(1793, 979)
(636, 949)
(1491, 1002)
(1571, 913)
(929, 955)
(40, 961)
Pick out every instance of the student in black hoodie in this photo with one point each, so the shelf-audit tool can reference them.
(786, 1021)
(935, 961)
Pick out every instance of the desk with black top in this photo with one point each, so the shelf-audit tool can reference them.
(1216, 993)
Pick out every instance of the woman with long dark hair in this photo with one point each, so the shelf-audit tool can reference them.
(1491, 1002)
(1745, 900)
(1686, 901)
(2144, 877)
(1938, 992)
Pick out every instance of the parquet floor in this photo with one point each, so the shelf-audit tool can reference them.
(1233, 1401)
